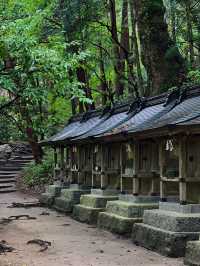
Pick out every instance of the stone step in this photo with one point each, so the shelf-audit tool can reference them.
(7, 185)
(9, 172)
(10, 168)
(7, 176)
(7, 190)
(129, 209)
(172, 221)
(7, 180)
(20, 160)
(96, 201)
(116, 223)
(167, 243)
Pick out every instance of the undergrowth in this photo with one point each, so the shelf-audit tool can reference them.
(39, 174)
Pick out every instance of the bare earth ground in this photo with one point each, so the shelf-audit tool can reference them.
(73, 243)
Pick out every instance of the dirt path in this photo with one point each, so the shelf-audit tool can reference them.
(73, 244)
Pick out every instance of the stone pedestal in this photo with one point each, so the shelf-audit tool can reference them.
(120, 215)
(91, 205)
(51, 193)
(70, 197)
(168, 229)
(192, 255)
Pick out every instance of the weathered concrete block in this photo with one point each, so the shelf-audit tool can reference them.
(139, 199)
(172, 221)
(46, 199)
(116, 224)
(49, 196)
(86, 214)
(177, 207)
(168, 243)
(96, 201)
(192, 255)
(129, 209)
(105, 192)
(68, 198)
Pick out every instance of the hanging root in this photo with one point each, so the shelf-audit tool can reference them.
(25, 205)
(5, 221)
(4, 247)
(21, 217)
(44, 244)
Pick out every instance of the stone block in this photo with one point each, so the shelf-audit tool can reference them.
(68, 198)
(46, 199)
(86, 214)
(116, 224)
(105, 192)
(176, 207)
(167, 243)
(129, 209)
(63, 205)
(192, 255)
(49, 196)
(139, 199)
(96, 201)
(172, 221)
(54, 190)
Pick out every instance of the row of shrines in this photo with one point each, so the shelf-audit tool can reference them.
(134, 169)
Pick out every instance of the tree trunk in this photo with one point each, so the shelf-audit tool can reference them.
(189, 31)
(135, 50)
(164, 65)
(173, 19)
(119, 87)
(81, 76)
(124, 36)
(104, 85)
(36, 149)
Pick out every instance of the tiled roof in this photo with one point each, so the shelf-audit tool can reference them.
(177, 108)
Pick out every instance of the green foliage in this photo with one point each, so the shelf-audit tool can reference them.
(39, 174)
(194, 76)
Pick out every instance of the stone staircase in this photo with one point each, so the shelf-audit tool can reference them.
(10, 168)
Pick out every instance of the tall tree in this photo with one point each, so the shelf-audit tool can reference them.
(164, 64)
(119, 87)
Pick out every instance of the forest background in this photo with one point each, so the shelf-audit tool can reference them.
(63, 57)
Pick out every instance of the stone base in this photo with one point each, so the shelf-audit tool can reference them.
(168, 232)
(116, 224)
(86, 214)
(139, 198)
(105, 192)
(192, 256)
(68, 198)
(90, 207)
(121, 215)
(171, 244)
(47, 198)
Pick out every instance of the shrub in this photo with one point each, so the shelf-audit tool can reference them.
(39, 174)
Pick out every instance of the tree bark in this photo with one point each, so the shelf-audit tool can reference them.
(124, 36)
(173, 19)
(135, 49)
(164, 65)
(82, 77)
(189, 30)
(119, 86)
(103, 85)
(36, 149)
